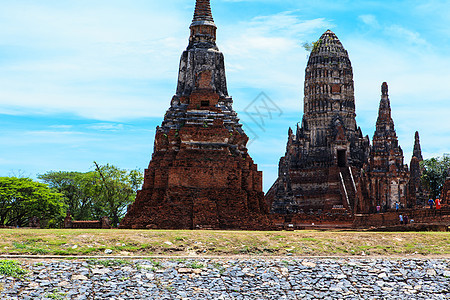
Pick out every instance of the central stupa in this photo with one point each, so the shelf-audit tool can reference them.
(325, 155)
(200, 174)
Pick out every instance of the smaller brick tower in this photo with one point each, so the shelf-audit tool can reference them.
(388, 174)
(200, 174)
(416, 189)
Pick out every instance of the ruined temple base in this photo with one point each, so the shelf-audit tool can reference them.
(199, 189)
(326, 190)
(425, 219)
(185, 208)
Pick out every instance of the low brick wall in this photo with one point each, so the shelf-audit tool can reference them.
(419, 216)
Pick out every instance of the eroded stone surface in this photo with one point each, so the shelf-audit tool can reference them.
(320, 171)
(330, 175)
(200, 175)
(388, 175)
(417, 190)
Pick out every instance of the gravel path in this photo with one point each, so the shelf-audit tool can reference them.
(343, 278)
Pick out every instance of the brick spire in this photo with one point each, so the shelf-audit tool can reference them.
(417, 151)
(202, 13)
(384, 89)
(203, 29)
(384, 122)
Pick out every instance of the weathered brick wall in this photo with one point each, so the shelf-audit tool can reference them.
(315, 172)
(420, 216)
(446, 193)
(101, 224)
(198, 182)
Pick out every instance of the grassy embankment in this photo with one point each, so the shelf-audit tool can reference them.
(218, 243)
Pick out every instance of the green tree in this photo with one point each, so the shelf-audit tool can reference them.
(23, 198)
(107, 191)
(435, 171)
(310, 47)
(118, 190)
(79, 189)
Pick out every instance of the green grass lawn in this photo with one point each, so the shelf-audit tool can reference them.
(211, 243)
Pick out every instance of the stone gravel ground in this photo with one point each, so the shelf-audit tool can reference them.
(231, 278)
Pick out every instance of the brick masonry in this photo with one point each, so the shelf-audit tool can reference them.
(330, 173)
(202, 177)
(200, 174)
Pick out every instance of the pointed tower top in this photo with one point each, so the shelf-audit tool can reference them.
(203, 29)
(384, 121)
(328, 44)
(417, 150)
(202, 13)
(384, 89)
(385, 104)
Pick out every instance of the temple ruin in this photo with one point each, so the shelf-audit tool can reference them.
(388, 175)
(200, 174)
(320, 173)
(418, 193)
(331, 174)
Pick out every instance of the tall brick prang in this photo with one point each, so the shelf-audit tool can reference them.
(319, 173)
(330, 170)
(417, 190)
(417, 151)
(200, 174)
(389, 177)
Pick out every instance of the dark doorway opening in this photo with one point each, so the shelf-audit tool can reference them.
(342, 158)
(204, 103)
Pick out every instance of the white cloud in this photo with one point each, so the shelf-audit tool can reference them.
(64, 127)
(406, 35)
(418, 79)
(99, 61)
(266, 54)
(107, 127)
(369, 20)
(118, 60)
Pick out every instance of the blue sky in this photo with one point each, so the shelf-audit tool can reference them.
(90, 80)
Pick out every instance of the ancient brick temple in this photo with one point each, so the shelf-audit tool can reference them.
(200, 174)
(417, 191)
(321, 170)
(330, 169)
(388, 176)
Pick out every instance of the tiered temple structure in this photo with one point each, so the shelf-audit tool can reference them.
(388, 176)
(417, 191)
(329, 167)
(200, 174)
(321, 170)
